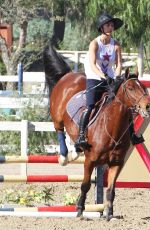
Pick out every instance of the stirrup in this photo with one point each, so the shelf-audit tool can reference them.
(136, 140)
(82, 144)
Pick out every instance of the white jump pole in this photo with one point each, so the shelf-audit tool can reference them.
(50, 214)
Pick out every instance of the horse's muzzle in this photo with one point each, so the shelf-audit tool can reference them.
(148, 108)
(145, 112)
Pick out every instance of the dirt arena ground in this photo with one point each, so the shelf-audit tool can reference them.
(132, 204)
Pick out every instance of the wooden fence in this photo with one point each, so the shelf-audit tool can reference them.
(77, 57)
(24, 127)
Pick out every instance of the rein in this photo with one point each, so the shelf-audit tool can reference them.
(91, 88)
(119, 141)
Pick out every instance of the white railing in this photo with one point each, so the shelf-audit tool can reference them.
(77, 57)
(24, 127)
(27, 77)
(21, 102)
(37, 95)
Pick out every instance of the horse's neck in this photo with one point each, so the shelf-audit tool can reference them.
(119, 105)
(118, 119)
(121, 97)
(115, 113)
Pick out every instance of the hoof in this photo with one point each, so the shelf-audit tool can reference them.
(111, 217)
(80, 213)
(108, 218)
(107, 214)
(120, 217)
(63, 160)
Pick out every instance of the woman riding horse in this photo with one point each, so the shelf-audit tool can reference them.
(108, 134)
(103, 53)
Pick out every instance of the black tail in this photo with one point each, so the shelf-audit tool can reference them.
(54, 65)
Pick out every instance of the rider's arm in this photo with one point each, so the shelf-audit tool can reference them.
(118, 59)
(92, 57)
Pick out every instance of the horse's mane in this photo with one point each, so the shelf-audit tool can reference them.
(54, 65)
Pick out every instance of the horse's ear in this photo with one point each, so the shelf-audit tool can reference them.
(136, 72)
(127, 73)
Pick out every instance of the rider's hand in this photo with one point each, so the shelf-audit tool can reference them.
(118, 78)
(103, 79)
(109, 80)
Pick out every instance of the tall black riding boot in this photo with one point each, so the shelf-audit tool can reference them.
(134, 138)
(81, 142)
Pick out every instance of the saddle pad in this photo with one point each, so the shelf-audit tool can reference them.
(75, 105)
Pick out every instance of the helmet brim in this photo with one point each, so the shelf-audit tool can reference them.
(117, 23)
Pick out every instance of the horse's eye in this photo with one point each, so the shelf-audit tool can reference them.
(130, 88)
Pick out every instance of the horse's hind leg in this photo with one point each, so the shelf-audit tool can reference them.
(86, 184)
(110, 191)
(62, 143)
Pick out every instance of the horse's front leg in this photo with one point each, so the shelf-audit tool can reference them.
(86, 184)
(110, 191)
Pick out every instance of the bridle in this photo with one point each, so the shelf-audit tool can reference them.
(136, 102)
(134, 106)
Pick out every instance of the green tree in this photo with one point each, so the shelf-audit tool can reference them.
(18, 12)
(135, 14)
(58, 9)
(82, 16)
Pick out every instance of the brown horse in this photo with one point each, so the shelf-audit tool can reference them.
(108, 135)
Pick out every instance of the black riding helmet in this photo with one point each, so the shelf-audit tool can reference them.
(104, 18)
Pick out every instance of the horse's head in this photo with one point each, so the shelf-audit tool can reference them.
(135, 94)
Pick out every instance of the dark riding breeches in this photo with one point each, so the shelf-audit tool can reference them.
(94, 90)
